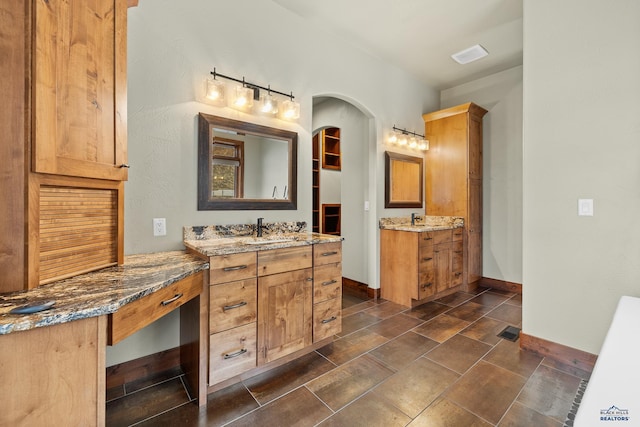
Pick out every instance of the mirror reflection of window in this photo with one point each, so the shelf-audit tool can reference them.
(227, 168)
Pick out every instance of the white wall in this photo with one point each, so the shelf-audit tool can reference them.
(501, 95)
(348, 186)
(581, 140)
(172, 48)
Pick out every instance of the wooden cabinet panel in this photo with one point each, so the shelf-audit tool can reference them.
(138, 314)
(327, 282)
(327, 319)
(327, 253)
(79, 95)
(454, 176)
(457, 263)
(232, 352)
(285, 259)
(229, 268)
(232, 304)
(442, 266)
(285, 313)
(54, 375)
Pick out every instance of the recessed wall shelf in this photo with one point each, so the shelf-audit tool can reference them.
(331, 158)
(331, 218)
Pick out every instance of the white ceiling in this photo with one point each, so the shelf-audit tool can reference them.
(421, 35)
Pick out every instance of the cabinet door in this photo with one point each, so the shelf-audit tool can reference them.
(442, 266)
(79, 96)
(285, 313)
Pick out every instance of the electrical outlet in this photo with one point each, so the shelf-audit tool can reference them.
(159, 227)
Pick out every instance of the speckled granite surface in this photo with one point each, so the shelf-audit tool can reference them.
(422, 223)
(100, 292)
(213, 240)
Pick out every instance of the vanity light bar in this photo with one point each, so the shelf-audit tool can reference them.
(256, 88)
(406, 132)
(423, 144)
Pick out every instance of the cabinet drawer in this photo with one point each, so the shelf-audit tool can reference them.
(456, 234)
(327, 319)
(327, 253)
(442, 236)
(232, 304)
(232, 352)
(327, 282)
(426, 287)
(285, 259)
(140, 313)
(229, 268)
(457, 255)
(425, 239)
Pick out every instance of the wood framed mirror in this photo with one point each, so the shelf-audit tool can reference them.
(403, 179)
(245, 166)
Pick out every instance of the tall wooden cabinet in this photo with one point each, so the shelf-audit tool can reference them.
(453, 179)
(63, 138)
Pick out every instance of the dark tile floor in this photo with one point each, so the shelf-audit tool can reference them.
(440, 364)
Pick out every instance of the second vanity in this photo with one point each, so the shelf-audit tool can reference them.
(270, 298)
(421, 258)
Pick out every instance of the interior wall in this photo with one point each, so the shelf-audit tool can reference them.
(172, 47)
(349, 185)
(581, 132)
(501, 95)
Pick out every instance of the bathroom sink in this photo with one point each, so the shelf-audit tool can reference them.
(268, 241)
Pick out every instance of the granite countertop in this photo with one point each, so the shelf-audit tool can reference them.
(234, 245)
(422, 223)
(213, 240)
(99, 292)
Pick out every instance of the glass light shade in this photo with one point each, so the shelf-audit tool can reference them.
(215, 91)
(393, 138)
(424, 145)
(268, 104)
(403, 140)
(243, 98)
(290, 110)
(413, 143)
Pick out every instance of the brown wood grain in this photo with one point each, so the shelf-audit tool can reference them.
(286, 259)
(65, 384)
(232, 304)
(228, 268)
(144, 311)
(232, 352)
(558, 352)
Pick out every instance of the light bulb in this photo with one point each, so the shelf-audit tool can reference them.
(215, 91)
(290, 110)
(413, 143)
(393, 138)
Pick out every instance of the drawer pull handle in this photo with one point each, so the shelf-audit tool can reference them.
(170, 300)
(124, 166)
(457, 252)
(309, 279)
(458, 274)
(237, 267)
(331, 319)
(235, 354)
(427, 259)
(231, 307)
(427, 285)
(329, 282)
(428, 238)
(330, 253)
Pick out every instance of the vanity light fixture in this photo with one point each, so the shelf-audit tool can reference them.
(244, 95)
(406, 138)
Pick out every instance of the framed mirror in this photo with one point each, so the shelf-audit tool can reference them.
(244, 166)
(403, 181)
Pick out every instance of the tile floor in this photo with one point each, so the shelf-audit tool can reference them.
(439, 364)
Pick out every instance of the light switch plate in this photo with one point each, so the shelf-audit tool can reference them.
(585, 207)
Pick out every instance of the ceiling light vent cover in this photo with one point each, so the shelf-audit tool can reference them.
(470, 54)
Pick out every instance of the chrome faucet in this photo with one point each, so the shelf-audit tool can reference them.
(259, 228)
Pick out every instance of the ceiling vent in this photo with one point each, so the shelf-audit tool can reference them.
(470, 54)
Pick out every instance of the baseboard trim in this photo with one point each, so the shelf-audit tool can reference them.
(558, 352)
(502, 285)
(142, 367)
(358, 288)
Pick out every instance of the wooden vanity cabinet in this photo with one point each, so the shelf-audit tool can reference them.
(63, 139)
(419, 266)
(233, 313)
(453, 179)
(327, 290)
